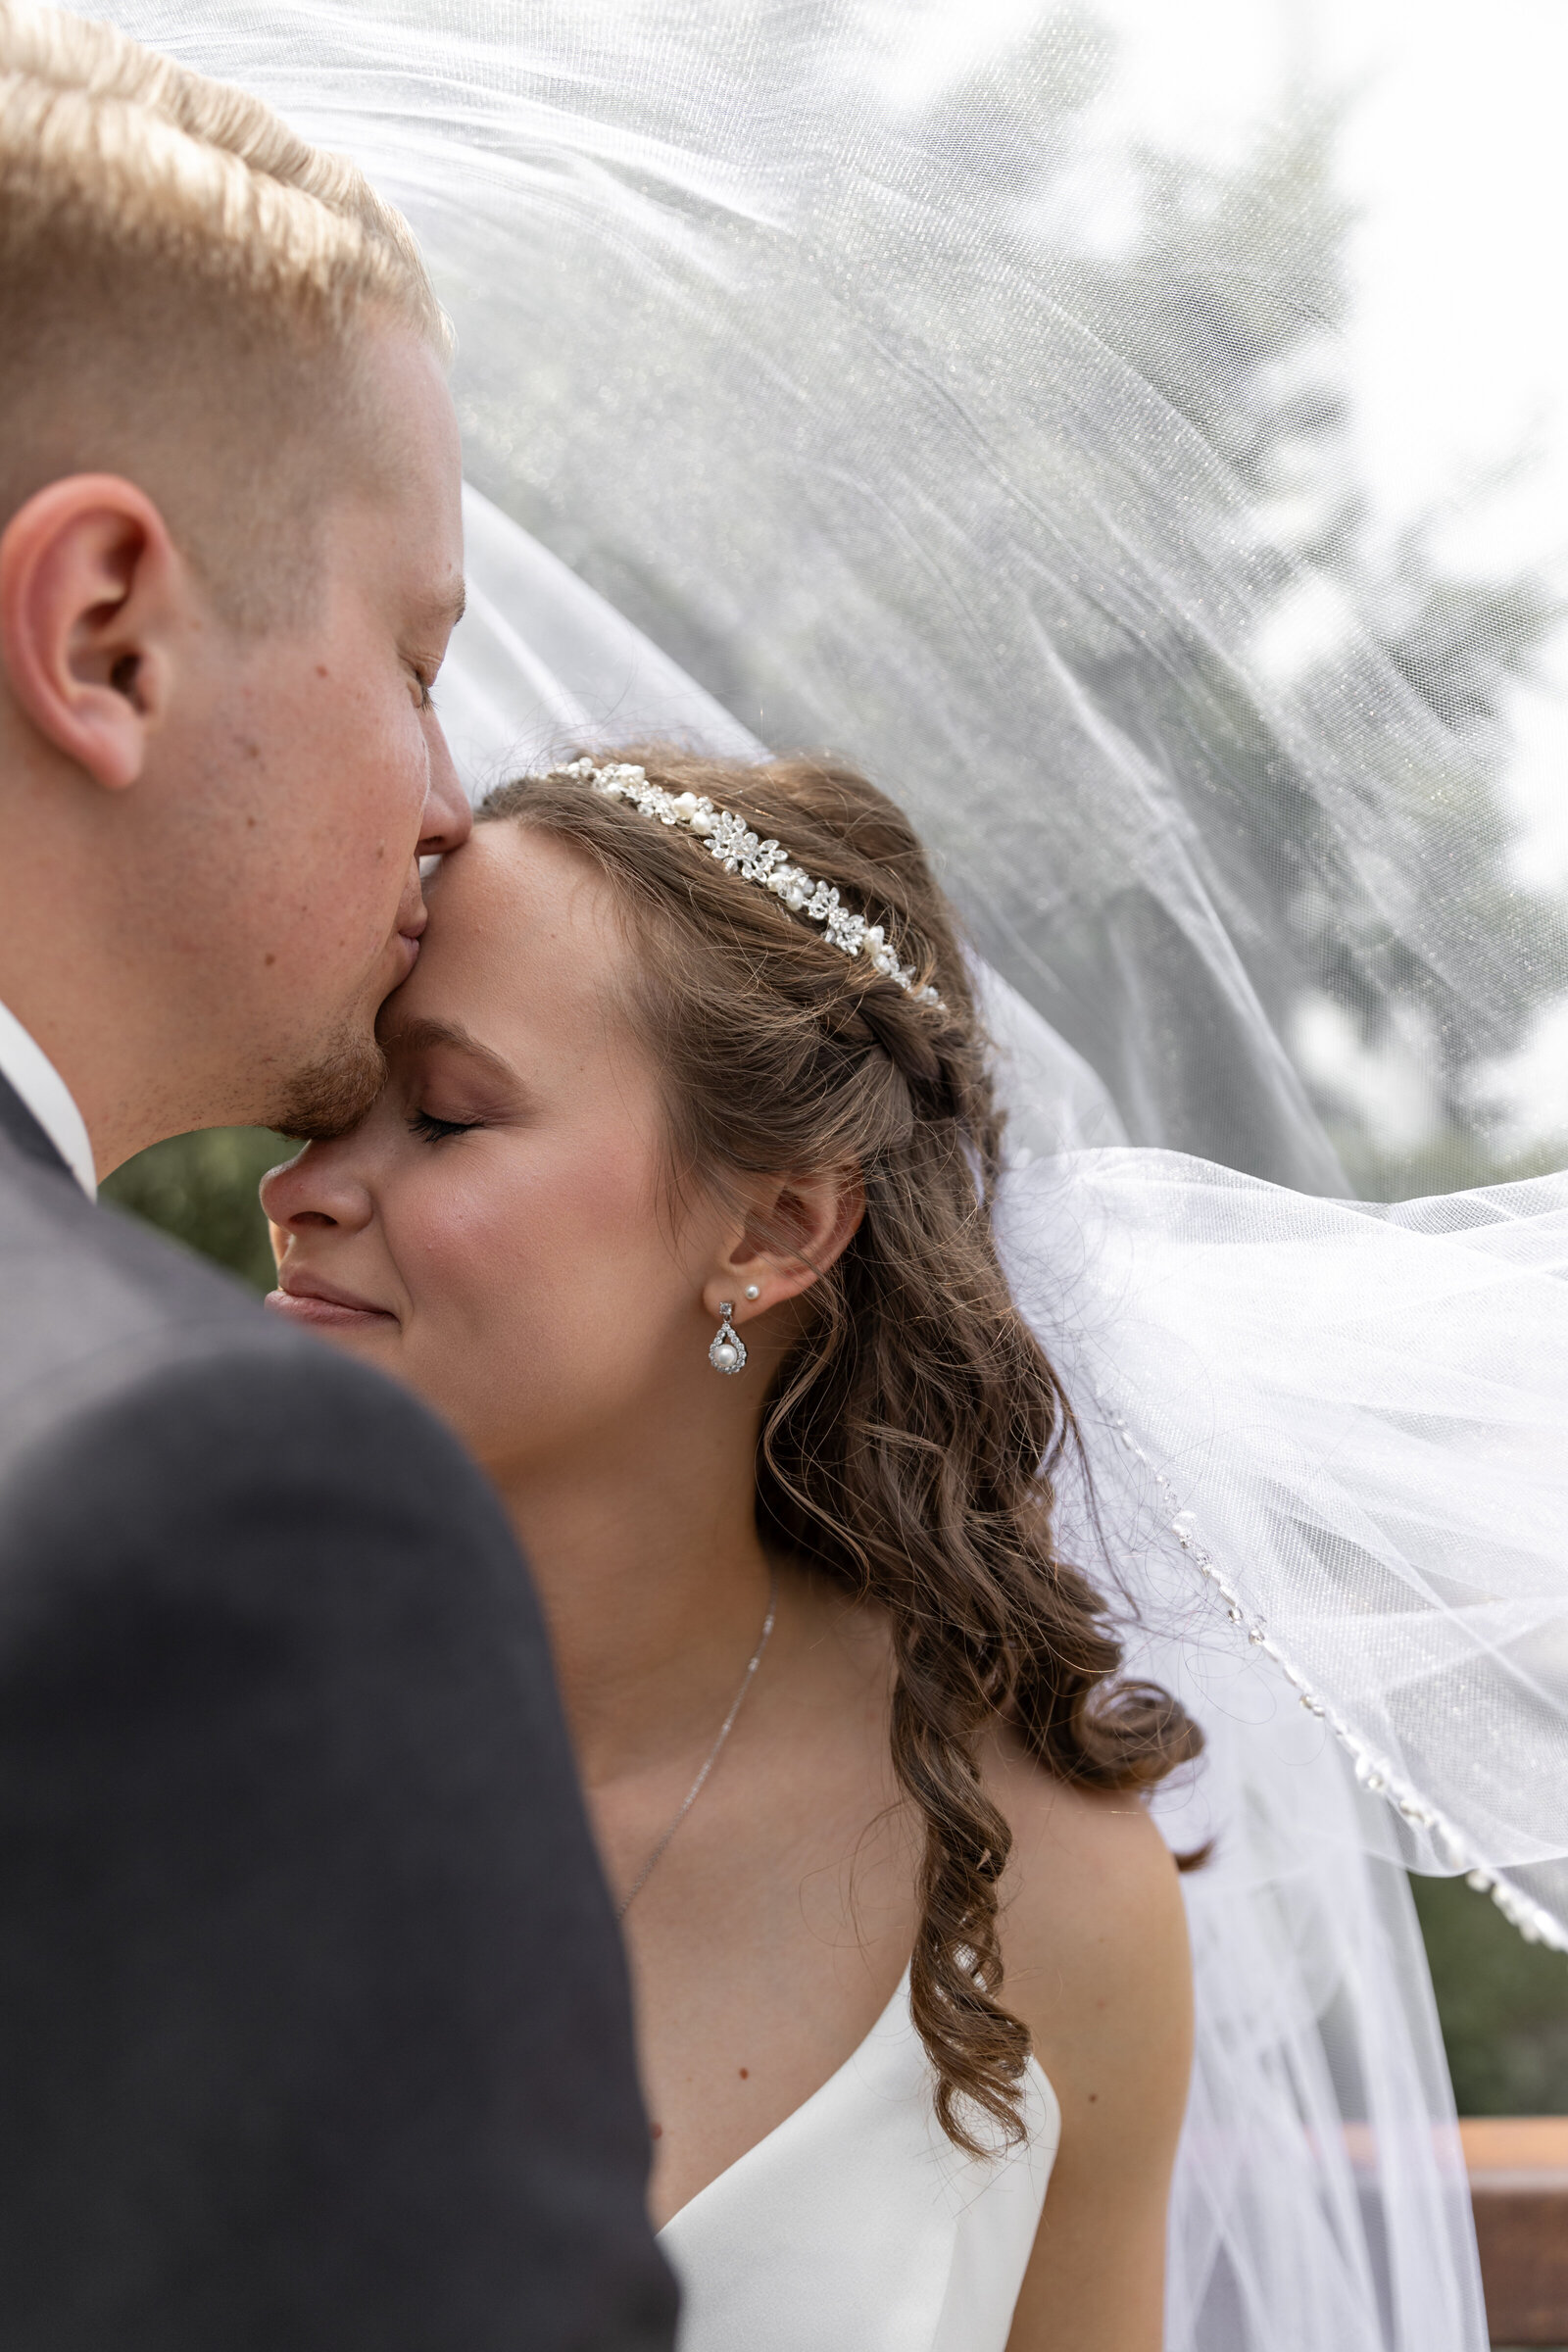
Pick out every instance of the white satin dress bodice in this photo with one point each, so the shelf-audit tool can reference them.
(857, 2227)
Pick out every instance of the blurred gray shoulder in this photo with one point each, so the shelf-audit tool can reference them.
(94, 1303)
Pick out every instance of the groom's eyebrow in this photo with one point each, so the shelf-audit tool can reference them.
(400, 1037)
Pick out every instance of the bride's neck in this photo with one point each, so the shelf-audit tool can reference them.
(654, 1584)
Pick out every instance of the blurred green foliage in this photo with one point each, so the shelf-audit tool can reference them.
(1503, 2002)
(1454, 1159)
(202, 1189)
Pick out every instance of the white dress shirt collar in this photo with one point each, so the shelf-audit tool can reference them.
(47, 1095)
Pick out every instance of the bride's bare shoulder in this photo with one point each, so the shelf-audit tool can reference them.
(1094, 1935)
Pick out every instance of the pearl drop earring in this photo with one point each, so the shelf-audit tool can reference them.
(727, 1350)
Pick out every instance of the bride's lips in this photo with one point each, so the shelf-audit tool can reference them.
(309, 1298)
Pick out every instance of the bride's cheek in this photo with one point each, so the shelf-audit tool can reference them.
(471, 1241)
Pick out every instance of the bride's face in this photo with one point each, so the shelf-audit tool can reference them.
(499, 1231)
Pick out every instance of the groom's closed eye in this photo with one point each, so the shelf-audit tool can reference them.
(424, 644)
(431, 1130)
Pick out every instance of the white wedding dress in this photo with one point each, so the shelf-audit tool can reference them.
(857, 2224)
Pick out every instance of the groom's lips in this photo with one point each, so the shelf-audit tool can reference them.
(308, 1298)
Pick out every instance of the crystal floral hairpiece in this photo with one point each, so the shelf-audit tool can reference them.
(740, 851)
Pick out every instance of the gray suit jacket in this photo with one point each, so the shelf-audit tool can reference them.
(313, 2031)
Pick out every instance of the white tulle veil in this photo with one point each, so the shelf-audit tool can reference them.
(805, 411)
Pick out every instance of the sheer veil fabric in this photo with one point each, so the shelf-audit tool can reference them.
(803, 411)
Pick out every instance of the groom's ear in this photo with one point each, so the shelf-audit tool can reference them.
(90, 591)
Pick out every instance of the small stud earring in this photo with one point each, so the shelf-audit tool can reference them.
(727, 1350)
(754, 1289)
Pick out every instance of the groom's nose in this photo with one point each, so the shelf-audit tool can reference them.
(447, 817)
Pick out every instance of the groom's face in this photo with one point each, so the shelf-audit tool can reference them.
(224, 602)
(332, 773)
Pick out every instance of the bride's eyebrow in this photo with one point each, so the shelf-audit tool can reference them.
(406, 1037)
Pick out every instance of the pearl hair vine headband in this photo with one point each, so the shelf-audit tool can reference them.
(740, 851)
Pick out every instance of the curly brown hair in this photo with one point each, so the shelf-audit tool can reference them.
(910, 1441)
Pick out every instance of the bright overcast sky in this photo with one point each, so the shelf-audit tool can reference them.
(1455, 152)
(1454, 149)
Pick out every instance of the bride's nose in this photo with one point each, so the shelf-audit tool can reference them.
(320, 1188)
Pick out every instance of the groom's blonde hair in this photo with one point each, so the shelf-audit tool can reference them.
(186, 290)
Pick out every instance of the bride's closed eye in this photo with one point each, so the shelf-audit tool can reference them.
(431, 1130)
(441, 1060)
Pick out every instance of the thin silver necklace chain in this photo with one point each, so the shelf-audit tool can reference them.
(713, 1753)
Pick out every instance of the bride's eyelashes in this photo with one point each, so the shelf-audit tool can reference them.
(431, 1130)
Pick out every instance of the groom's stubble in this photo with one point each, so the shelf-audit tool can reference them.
(331, 1095)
